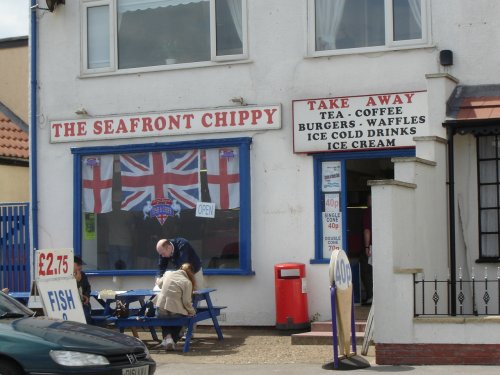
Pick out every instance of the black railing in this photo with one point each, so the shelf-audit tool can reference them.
(475, 297)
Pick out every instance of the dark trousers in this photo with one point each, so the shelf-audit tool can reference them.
(366, 275)
(87, 311)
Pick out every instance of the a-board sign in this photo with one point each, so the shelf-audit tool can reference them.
(57, 285)
(341, 279)
(340, 270)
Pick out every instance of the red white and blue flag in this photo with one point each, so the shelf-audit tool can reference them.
(223, 177)
(97, 183)
(149, 176)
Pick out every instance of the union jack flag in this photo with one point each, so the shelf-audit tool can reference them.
(154, 175)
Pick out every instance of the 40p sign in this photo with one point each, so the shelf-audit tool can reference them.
(340, 270)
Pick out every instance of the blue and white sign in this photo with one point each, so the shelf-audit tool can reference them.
(61, 299)
(340, 270)
(331, 176)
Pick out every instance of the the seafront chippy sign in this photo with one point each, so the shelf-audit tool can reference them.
(169, 123)
(379, 121)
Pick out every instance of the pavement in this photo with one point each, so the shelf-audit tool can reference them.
(265, 350)
(313, 369)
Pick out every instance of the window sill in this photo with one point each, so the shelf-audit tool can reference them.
(227, 271)
(488, 260)
(206, 272)
(364, 51)
(162, 68)
(319, 261)
(120, 272)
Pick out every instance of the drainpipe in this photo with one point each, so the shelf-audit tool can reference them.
(451, 199)
(33, 126)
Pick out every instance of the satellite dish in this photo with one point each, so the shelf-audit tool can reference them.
(340, 270)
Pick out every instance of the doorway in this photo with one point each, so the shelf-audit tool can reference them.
(358, 173)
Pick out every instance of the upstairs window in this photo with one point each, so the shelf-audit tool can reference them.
(348, 26)
(129, 34)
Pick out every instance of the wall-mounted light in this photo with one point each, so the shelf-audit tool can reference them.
(52, 4)
(446, 57)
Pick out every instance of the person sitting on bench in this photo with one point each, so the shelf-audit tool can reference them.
(175, 300)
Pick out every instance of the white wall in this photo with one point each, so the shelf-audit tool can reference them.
(282, 184)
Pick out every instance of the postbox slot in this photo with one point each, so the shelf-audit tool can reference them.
(290, 274)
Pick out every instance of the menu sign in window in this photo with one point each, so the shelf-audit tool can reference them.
(331, 186)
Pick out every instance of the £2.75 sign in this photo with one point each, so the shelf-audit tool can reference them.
(57, 285)
(54, 263)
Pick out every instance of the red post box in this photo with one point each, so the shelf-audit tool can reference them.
(291, 296)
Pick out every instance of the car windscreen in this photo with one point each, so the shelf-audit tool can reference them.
(9, 307)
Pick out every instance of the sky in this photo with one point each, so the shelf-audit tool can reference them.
(14, 18)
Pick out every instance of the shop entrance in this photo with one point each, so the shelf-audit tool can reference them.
(358, 173)
(341, 194)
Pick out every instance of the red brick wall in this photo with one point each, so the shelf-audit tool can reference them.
(437, 354)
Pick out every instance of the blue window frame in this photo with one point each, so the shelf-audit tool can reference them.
(319, 195)
(223, 241)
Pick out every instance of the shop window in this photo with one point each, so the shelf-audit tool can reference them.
(353, 26)
(129, 197)
(158, 33)
(489, 192)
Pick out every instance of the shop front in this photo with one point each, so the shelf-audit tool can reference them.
(352, 141)
(127, 197)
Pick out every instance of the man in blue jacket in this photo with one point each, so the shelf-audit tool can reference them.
(179, 251)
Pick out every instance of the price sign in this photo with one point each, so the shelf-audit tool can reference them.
(52, 264)
(340, 270)
(332, 202)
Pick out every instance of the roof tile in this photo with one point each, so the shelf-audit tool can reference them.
(483, 107)
(14, 142)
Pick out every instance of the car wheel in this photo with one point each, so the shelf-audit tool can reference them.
(10, 368)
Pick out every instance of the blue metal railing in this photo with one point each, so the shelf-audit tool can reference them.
(15, 246)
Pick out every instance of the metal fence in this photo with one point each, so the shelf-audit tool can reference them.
(14, 246)
(475, 296)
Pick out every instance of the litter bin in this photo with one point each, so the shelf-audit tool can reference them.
(291, 296)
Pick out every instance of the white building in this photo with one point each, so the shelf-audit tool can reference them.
(309, 105)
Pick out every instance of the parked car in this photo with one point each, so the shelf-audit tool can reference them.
(41, 345)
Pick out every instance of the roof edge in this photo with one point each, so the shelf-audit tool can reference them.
(462, 92)
(17, 41)
(14, 118)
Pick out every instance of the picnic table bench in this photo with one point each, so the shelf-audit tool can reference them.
(202, 313)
